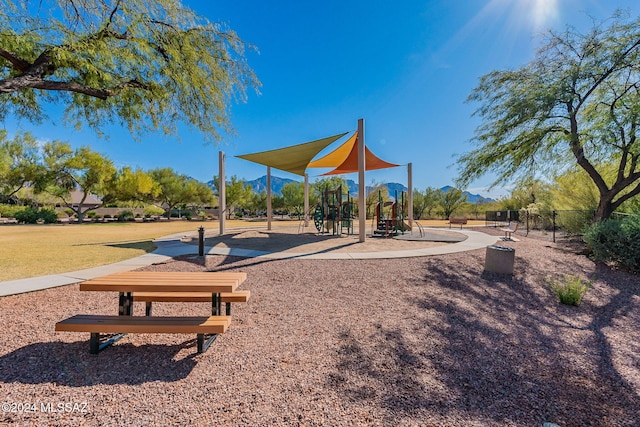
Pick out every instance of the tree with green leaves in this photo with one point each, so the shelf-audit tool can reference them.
(574, 190)
(293, 197)
(577, 102)
(237, 192)
(148, 64)
(175, 190)
(451, 200)
(19, 163)
(199, 195)
(425, 202)
(331, 182)
(378, 193)
(68, 171)
(133, 185)
(257, 202)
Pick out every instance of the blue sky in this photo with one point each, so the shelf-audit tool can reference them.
(405, 67)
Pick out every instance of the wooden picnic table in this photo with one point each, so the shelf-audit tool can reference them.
(158, 286)
(127, 283)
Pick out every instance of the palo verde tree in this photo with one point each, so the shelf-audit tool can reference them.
(293, 197)
(175, 190)
(237, 193)
(133, 185)
(425, 203)
(147, 64)
(19, 163)
(451, 200)
(577, 102)
(82, 170)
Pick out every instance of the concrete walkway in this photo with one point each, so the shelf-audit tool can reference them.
(171, 246)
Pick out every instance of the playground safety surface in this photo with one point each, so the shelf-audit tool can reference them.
(283, 242)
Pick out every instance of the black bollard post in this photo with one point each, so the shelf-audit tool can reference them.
(201, 241)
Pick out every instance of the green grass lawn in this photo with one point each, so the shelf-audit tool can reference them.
(37, 250)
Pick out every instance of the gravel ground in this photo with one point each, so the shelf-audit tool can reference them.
(430, 341)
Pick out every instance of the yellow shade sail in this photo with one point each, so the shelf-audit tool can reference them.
(293, 159)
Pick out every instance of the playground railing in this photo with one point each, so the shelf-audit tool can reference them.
(420, 229)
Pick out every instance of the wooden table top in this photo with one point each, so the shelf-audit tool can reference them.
(172, 281)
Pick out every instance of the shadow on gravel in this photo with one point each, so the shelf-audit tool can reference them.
(71, 364)
(494, 349)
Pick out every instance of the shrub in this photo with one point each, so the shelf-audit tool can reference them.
(574, 222)
(107, 216)
(31, 215)
(616, 241)
(150, 211)
(126, 215)
(49, 215)
(9, 210)
(569, 290)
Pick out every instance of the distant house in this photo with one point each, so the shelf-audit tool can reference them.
(75, 199)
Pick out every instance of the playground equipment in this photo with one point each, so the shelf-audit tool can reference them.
(333, 214)
(390, 222)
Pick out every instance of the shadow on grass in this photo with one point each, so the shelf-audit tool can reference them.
(492, 349)
(145, 245)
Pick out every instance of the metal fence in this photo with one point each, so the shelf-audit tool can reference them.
(556, 224)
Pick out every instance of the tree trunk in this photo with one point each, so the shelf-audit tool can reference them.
(605, 208)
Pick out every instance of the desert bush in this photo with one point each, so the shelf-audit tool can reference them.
(150, 211)
(569, 289)
(126, 215)
(574, 222)
(31, 215)
(616, 241)
(9, 211)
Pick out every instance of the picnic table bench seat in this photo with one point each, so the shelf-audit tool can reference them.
(225, 297)
(457, 221)
(119, 325)
(512, 228)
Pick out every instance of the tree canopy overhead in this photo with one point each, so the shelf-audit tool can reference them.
(577, 102)
(144, 64)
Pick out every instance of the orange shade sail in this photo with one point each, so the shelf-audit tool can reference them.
(345, 159)
(337, 156)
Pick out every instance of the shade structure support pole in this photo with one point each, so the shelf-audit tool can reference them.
(222, 199)
(306, 200)
(410, 195)
(269, 213)
(362, 209)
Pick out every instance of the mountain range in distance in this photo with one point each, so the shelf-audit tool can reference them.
(260, 184)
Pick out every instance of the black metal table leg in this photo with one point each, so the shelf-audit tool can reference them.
(125, 304)
(203, 344)
(96, 345)
(216, 304)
